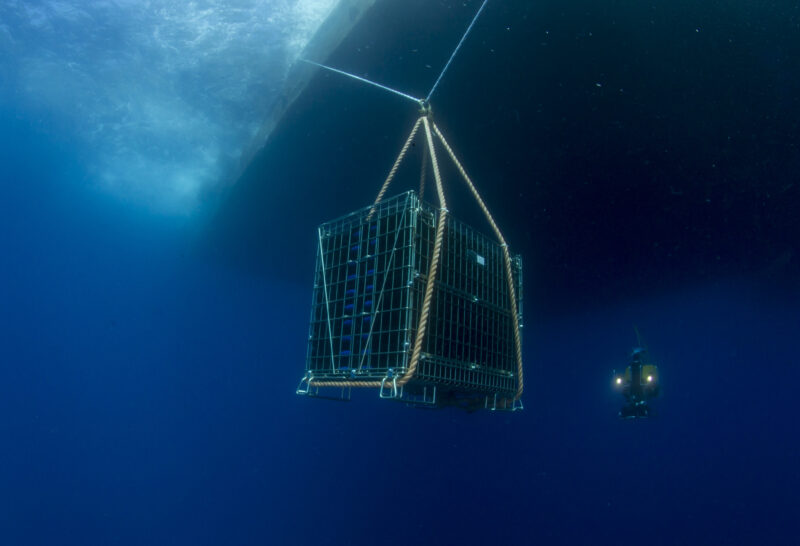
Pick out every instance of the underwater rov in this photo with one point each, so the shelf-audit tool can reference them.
(413, 303)
(638, 383)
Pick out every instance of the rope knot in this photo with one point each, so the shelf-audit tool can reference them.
(425, 109)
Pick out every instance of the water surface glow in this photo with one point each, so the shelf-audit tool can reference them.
(160, 98)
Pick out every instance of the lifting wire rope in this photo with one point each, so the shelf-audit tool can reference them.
(365, 80)
(455, 51)
(430, 128)
(422, 102)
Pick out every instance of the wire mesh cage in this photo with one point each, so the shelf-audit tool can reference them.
(371, 270)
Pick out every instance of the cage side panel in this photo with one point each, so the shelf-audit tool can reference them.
(373, 269)
(360, 321)
(470, 341)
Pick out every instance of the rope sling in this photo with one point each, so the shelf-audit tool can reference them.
(398, 381)
(430, 130)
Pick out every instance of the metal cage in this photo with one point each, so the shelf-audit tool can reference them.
(371, 270)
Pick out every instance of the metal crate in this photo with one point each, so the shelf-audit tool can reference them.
(371, 270)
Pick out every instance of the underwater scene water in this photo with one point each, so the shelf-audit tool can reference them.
(164, 169)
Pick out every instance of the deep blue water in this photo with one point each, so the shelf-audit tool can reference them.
(147, 395)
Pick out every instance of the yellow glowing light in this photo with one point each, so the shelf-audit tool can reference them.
(619, 381)
(649, 378)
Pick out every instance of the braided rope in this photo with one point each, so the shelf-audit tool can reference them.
(393, 171)
(506, 257)
(347, 383)
(422, 325)
(423, 173)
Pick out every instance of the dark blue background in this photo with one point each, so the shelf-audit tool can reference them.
(149, 363)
